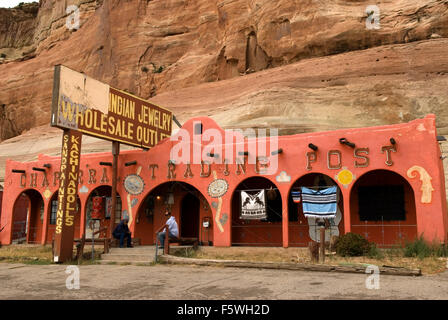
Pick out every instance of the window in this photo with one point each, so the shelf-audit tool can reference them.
(293, 210)
(118, 210)
(381, 203)
(54, 210)
(42, 211)
(273, 206)
(198, 128)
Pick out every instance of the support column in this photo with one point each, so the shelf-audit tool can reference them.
(82, 212)
(347, 220)
(285, 220)
(28, 220)
(47, 207)
(115, 154)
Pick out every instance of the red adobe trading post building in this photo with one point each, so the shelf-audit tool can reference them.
(390, 183)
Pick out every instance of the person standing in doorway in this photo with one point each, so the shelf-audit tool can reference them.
(172, 226)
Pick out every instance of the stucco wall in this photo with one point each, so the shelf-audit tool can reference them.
(444, 148)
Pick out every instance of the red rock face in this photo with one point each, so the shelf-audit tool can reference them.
(17, 27)
(157, 48)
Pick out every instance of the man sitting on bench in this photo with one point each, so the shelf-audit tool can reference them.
(121, 232)
(172, 226)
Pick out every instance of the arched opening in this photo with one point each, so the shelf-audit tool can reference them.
(28, 217)
(104, 193)
(52, 216)
(256, 231)
(188, 206)
(382, 208)
(305, 229)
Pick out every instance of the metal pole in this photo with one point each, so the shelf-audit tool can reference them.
(176, 121)
(157, 245)
(115, 153)
(322, 245)
(93, 240)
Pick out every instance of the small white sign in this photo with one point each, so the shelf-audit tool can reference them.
(72, 21)
(373, 281)
(72, 281)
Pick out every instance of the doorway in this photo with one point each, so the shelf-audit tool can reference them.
(28, 216)
(189, 216)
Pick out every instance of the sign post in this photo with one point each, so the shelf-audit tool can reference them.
(82, 105)
(115, 153)
(68, 188)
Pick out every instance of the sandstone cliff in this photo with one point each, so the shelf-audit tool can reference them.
(299, 66)
(157, 47)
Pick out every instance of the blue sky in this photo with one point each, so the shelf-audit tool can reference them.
(13, 3)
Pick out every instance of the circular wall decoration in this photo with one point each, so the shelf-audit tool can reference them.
(134, 184)
(345, 177)
(217, 188)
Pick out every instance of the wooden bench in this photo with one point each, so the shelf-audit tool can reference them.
(181, 241)
(115, 243)
(186, 241)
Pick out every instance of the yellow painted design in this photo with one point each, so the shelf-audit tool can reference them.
(218, 209)
(47, 194)
(139, 169)
(425, 178)
(345, 177)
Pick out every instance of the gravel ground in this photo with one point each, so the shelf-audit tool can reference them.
(172, 282)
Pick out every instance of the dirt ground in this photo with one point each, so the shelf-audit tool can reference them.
(174, 282)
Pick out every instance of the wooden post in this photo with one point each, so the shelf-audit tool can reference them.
(115, 153)
(68, 187)
(322, 245)
(314, 251)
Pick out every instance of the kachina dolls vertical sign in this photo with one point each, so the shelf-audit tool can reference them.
(67, 209)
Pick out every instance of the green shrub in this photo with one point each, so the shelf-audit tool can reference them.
(417, 248)
(374, 252)
(442, 250)
(352, 244)
(422, 249)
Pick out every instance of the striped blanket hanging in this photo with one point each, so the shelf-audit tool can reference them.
(296, 196)
(319, 203)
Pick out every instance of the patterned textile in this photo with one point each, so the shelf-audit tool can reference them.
(97, 208)
(108, 207)
(253, 206)
(319, 203)
(296, 196)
